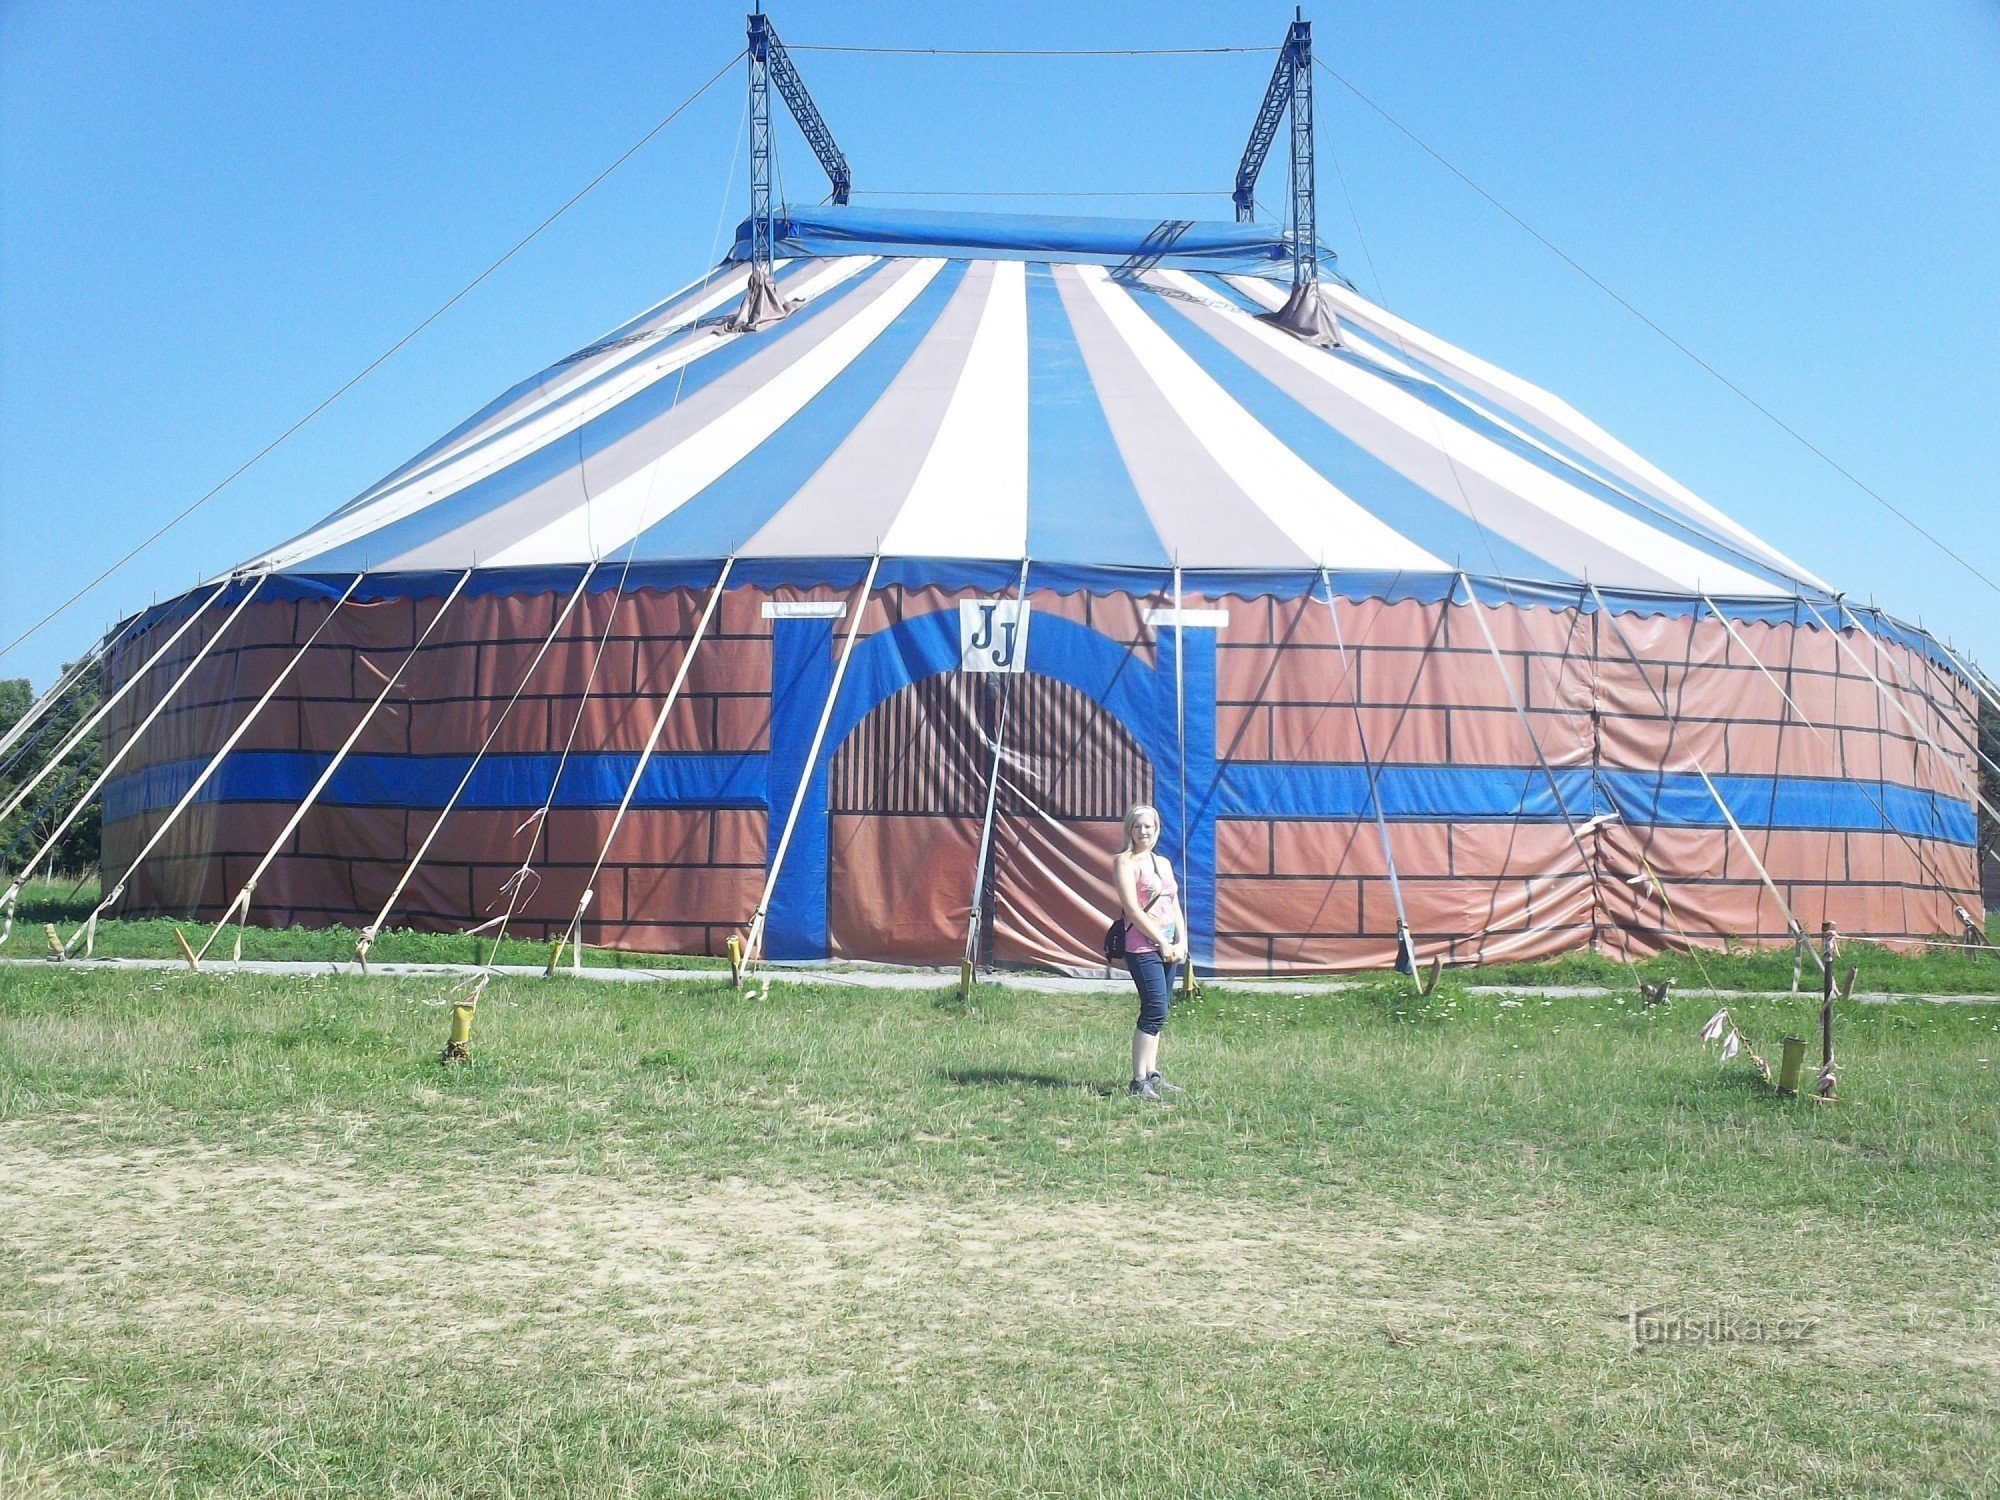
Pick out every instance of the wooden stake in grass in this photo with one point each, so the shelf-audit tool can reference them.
(1829, 941)
(1791, 1061)
(1975, 935)
(187, 952)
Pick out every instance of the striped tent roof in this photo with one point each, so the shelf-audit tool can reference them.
(1089, 393)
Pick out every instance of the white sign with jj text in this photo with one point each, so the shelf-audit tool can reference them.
(993, 635)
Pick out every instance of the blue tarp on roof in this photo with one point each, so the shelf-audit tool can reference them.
(1176, 244)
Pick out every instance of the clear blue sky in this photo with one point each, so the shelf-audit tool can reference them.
(211, 216)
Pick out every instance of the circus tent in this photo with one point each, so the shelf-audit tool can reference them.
(858, 630)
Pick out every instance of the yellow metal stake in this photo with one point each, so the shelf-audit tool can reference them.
(459, 1048)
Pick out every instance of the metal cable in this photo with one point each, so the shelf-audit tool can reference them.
(1756, 405)
(374, 363)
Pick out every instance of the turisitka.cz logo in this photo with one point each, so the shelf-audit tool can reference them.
(1654, 1328)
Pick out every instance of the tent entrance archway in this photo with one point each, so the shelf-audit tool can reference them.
(907, 791)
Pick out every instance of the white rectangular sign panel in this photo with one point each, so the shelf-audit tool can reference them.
(993, 635)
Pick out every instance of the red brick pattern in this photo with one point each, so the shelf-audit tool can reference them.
(1415, 683)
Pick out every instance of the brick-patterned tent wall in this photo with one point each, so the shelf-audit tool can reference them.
(1292, 888)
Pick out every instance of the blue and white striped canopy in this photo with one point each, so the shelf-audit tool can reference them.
(1086, 393)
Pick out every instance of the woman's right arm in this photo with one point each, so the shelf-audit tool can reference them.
(1128, 897)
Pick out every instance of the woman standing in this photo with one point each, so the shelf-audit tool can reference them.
(1155, 941)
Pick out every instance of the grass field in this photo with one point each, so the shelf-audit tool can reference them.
(664, 1241)
(1947, 969)
(65, 903)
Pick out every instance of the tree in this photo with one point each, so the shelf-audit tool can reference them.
(22, 833)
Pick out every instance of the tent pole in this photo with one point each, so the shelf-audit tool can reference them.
(117, 758)
(571, 934)
(1660, 697)
(21, 793)
(1791, 704)
(113, 896)
(753, 946)
(57, 691)
(54, 695)
(77, 737)
(1971, 742)
(1180, 748)
(1514, 699)
(1969, 783)
(1406, 947)
(241, 901)
(374, 928)
(969, 968)
(1981, 685)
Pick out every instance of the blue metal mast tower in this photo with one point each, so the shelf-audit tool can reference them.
(1290, 89)
(771, 64)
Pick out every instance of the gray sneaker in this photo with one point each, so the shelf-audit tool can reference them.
(1160, 1085)
(1142, 1088)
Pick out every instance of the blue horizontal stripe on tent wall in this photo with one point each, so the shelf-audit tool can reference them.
(563, 452)
(1789, 802)
(1082, 505)
(1244, 790)
(1430, 794)
(1397, 501)
(729, 511)
(515, 782)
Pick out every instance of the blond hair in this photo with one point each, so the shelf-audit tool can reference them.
(1132, 816)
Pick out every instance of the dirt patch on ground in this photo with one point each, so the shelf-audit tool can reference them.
(201, 1234)
(743, 1282)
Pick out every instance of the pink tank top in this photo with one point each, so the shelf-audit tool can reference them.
(1155, 877)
